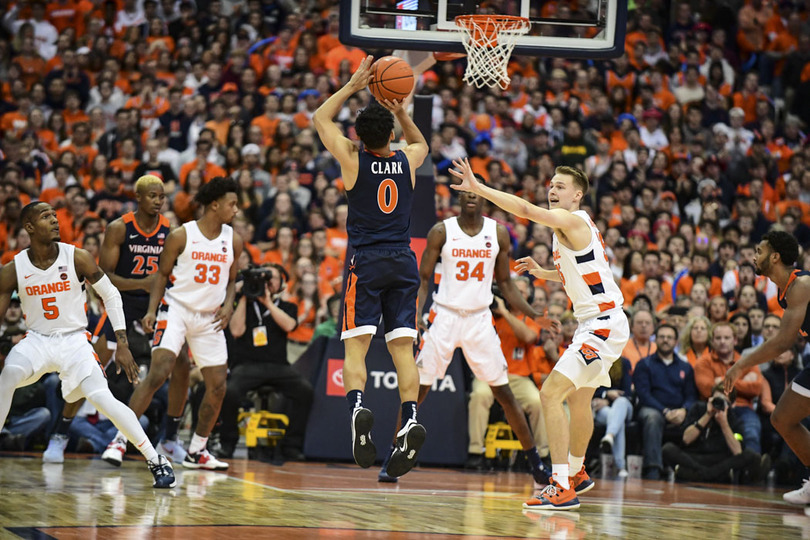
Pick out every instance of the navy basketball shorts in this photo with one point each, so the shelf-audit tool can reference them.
(801, 383)
(381, 282)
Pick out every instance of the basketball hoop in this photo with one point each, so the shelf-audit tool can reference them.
(489, 41)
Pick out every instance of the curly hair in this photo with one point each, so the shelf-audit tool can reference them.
(214, 189)
(374, 125)
(784, 244)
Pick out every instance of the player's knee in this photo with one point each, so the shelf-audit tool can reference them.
(550, 395)
(217, 390)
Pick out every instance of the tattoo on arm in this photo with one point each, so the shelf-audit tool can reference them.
(121, 336)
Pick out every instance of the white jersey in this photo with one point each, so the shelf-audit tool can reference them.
(586, 275)
(52, 300)
(200, 275)
(467, 266)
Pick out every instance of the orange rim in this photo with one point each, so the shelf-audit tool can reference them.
(486, 27)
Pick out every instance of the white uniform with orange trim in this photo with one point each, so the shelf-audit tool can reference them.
(196, 289)
(53, 304)
(603, 329)
(460, 316)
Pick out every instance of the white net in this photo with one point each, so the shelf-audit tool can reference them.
(489, 41)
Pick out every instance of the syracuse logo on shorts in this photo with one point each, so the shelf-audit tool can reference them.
(334, 378)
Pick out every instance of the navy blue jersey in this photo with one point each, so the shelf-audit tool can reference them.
(805, 329)
(138, 258)
(380, 202)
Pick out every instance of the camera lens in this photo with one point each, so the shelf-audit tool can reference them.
(719, 403)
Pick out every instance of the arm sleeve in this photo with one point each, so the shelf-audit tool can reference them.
(112, 302)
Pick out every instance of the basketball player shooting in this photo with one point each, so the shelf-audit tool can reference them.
(383, 277)
(584, 270)
(49, 277)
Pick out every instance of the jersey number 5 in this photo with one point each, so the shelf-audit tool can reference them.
(203, 272)
(387, 196)
(50, 309)
(464, 273)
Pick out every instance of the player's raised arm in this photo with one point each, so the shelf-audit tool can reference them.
(556, 218)
(87, 268)
(332, 138)
(435, 240)
(798, 298)
(175, 243)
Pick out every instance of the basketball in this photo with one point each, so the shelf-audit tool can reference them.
(391, 78)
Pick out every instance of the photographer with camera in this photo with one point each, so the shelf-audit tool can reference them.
(710, 448)
(259, 327)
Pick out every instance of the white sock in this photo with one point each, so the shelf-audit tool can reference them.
(560, 474)
(120, 437)
(575, 463)
(197, 444)
(123, 418)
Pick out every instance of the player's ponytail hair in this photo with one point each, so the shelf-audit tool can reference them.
(580, 178)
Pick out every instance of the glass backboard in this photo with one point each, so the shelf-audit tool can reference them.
(592, 29)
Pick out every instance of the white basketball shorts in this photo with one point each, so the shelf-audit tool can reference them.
(71, 355)
(176, 324)
(597, 343)
(474, 333)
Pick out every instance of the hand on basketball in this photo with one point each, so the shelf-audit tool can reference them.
(148, 323)
(361, 77)
(464, 172)
(527, 264)
(395, 106)
(222, 317)
(124, 359)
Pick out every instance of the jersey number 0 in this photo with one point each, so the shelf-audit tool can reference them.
(387, 196)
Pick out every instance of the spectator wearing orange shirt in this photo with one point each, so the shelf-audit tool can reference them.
(337, 238)
(127, 163)
(79, 144)
(207, 169)
(21, 241)
(269, 120)
(710, 370)
(641, 345)
(747, 97)
(220, 122)
(306, 298)
(31, 63)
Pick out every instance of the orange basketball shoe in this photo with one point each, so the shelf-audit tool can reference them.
(581, 482)
(554, 497)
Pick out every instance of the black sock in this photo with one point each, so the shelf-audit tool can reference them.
(172, 425)
(62, 426)
(408, 412)
(534, 458)
(355, 399)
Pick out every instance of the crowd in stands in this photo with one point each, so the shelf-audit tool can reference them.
(693, 141)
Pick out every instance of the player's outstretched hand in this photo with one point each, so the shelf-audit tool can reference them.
(123, 359)
(222, 317)
(731, 377)
(463, 171)
(148, 323)
(527, 264)
(361, 77)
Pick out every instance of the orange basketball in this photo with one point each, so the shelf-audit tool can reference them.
(391, 78)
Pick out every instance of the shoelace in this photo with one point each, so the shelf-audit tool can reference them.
(160, 468)
(549, 490)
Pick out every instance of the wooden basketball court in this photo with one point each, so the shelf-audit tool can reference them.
(88, 499)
